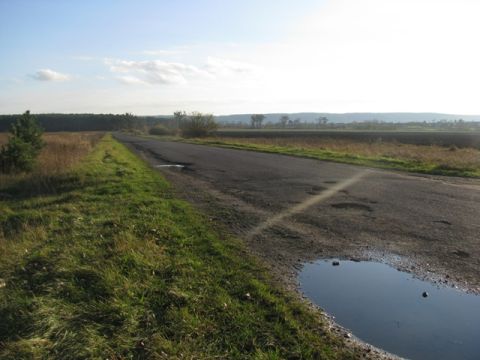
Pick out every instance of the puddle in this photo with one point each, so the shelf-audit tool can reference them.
(386, 308)
(175, 166)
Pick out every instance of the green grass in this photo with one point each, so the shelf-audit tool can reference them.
(111, 266)
(382, 162)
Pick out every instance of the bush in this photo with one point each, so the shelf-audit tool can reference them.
(160, 130)
(27, 129)
(17, 155)
(198, 125)
(23, 146)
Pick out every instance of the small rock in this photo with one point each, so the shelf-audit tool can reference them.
(336, 263)
(347, 335)
(425, 294)
(248, 296)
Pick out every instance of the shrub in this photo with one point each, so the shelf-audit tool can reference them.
(17, 155)
(160, 130)
(23, 146)
(198, 125)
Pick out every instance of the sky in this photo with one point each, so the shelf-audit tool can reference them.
(153, 57)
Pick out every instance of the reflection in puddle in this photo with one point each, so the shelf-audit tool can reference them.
(394, 311)
(171, 166)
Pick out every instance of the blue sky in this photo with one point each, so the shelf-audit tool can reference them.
(154, 57)
(113, 27)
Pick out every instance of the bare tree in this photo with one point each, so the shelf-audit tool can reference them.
(256, 120)
(284, 120)
(178, 118)
(322, 121)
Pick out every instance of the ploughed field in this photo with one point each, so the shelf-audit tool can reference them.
(441, 138)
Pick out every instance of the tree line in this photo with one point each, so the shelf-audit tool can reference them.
(196, 123)
(86, 122)
(257, 121)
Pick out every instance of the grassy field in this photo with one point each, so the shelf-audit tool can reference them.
(432, 159)
(109, 265)
(61, 151)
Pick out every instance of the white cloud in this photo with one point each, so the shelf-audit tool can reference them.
(174, 73)
(155, 71)
(50, 75)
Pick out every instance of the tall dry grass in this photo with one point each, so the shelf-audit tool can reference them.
(449, 157)
(60, 153)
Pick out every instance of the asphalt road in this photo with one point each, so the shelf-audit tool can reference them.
(291, 209)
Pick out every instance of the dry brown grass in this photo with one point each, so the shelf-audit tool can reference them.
(466, 158)
(60, 153)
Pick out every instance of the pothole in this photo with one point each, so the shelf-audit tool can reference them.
(394, 310)
(461, 253)
(444, 222)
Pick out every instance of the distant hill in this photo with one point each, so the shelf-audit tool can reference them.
(352, 117)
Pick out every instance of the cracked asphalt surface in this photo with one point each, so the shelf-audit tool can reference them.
(428, 225)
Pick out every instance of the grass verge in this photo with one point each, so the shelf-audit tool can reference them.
(112, 266)
(433, 160)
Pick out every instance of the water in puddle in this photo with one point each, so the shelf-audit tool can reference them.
(386, 308)
(177, 166)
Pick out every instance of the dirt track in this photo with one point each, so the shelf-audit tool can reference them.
(290, 210)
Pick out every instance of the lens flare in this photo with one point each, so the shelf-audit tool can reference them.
(324, 195)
